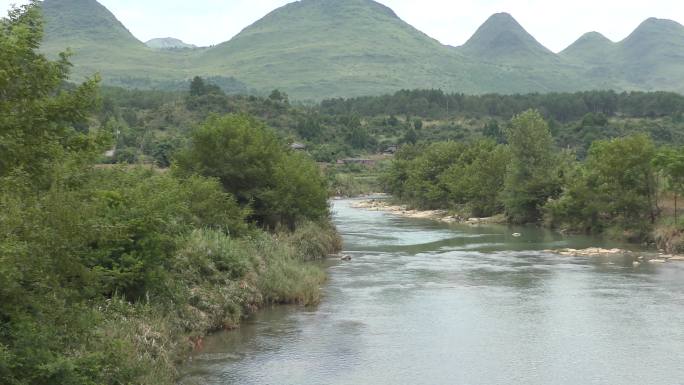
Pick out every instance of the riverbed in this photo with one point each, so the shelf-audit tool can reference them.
(423, 302)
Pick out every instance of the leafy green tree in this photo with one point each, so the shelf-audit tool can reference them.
(532, 176)
(615, 189)
(206, 97)
(252, 164)
(493, 131)
(477, 178)
(411, 137)
(299, 192)
(37, 117)
(424, 187)
(197, 86)
(395, 177)
(238, 150)
(670, 161)
(279, 97)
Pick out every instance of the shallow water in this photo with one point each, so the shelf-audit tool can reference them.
(429, 303)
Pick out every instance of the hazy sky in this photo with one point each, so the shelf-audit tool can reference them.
(555, 23)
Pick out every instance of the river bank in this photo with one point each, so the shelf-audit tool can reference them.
(438, 215)
(218, 282)
(663, 255)
(419, 295)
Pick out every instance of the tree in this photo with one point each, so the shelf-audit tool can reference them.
(492, 130)
(531, 178)
(477, 178)
(252, 164)
(197, 86)
(424, 186)
(279, 96)
(410, 137)
(37, 116)
(614, 189)
(670, 162)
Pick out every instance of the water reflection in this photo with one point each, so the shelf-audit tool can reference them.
(427, 303)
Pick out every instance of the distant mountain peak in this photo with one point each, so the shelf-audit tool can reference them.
(594, 36)
(168, 43)
(84, 20)
(501, 37)
(588, 41)
(592, 47)
(343, 4)
(653, 25)
(503, 17)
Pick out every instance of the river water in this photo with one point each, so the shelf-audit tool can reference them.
(429, 303)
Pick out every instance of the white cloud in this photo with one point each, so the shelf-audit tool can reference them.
(555, 24)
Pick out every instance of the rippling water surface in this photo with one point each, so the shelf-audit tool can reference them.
(429, 303)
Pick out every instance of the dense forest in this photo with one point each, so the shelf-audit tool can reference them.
(151, 125)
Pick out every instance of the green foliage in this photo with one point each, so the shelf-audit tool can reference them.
(477, 179)
(105, 272)
(465, 177)
(670, 162)
(563, 107)
(298, 192)
(423, 186)
(615, 189)
(532, 177)
(37, 118)
(252, 164)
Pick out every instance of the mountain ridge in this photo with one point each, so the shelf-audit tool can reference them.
(502, 39)
(317, 49)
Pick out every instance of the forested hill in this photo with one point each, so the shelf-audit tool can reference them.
(317, 49)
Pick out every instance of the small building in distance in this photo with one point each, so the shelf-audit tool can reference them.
(298, 146)
(391, 150)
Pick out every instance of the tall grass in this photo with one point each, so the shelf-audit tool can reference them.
(215, 282)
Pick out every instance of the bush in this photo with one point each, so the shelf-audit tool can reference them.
(314, 240)
(280, 187)
(614, 189)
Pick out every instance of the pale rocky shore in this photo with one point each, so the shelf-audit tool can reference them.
(654, 257)
(445, 216)
(404, 211)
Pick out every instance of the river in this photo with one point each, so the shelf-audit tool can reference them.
(428, 303)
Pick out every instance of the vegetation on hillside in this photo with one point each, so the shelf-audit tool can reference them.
(153, 125)
(318, 49)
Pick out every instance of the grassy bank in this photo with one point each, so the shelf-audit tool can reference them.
(216, 281)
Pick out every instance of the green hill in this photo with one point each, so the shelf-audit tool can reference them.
(516, 61)
(315, 49)
(322, 48)
(101, 44)
(591, 48)
(650, 58)
(502, 40)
